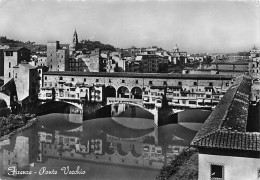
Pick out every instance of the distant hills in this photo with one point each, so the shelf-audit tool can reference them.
(91, 45)
(87, 44)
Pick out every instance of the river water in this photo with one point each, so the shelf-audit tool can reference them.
(122, 144)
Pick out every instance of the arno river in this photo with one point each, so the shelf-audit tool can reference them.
(122, 143)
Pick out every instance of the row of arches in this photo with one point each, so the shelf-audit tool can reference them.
(123, 92)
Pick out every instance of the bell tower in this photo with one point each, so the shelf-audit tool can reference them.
(75, 39)
(74, 45)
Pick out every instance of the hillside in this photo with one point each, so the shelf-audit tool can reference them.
(91, 45)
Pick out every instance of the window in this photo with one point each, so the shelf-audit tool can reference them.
(123, 81)
(136, 81)
(45, 77)
(9, 74)
(15, 75)
(180, 83)
(9, 64)
(216, 171)
(194, 83)
(210, 83)
(110, 81)
(9, 53)
(192, 102)
(72, 79)
(97, 80)
(150, 82)
(61, 78)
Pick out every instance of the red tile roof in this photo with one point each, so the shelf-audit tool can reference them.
(226, 126)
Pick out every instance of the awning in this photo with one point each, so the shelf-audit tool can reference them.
(207, 101)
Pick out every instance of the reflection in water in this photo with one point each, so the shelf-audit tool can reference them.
(57, 148)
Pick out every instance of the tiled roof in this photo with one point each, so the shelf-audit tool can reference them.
(226, 126)
(141, 75)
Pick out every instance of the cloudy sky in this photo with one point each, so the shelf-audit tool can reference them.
(195, 26)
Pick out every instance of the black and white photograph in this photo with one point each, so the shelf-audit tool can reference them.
(130, 89)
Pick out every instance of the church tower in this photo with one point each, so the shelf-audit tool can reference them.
(74, 45)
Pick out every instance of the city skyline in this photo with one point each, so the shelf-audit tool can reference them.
(196, 27)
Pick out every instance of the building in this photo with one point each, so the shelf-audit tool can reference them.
(57, 58)
(151, 62)
(179, 58)
(255, 52)
(2, 48)
(41, 60)
(87, 62)
(183, 91)
(26, 80)
(12, 57)
(254, 68)
(228, 141)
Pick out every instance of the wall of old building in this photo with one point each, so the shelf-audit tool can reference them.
(238, 168)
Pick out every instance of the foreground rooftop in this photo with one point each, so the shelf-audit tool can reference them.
(226, 127)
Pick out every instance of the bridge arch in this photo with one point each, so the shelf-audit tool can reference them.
(136, 92)
(123, 92)
(110, 91)
(256, 80)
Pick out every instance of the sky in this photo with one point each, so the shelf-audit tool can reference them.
(199, 26)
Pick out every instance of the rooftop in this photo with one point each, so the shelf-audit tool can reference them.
(15, 49)
(141, 75)
(226, 127)
(25, 64)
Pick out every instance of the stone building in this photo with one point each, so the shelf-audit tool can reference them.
(254, 67)
(26, 80)
(88, 62)
(57, 58)
(151, 62)
(12, 57)
(183, 91)
(2, 48)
